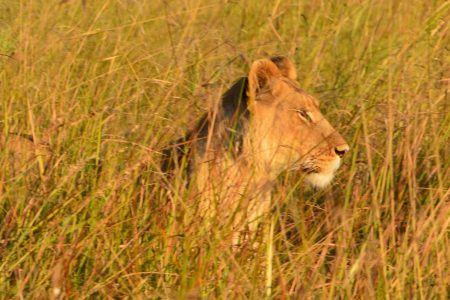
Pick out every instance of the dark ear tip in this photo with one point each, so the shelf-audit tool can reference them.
(278, 59)
(286, 67)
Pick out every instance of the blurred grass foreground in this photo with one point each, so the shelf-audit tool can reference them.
(92, 91)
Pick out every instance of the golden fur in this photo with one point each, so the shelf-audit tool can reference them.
(280, 127)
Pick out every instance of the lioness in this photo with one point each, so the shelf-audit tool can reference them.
(264, 124)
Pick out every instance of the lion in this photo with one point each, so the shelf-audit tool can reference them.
(265, 124)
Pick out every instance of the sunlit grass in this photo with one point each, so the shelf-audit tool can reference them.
(96, 89)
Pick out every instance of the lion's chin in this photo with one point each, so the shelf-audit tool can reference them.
(319, 180)
(324, 178)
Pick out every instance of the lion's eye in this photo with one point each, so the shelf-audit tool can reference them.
(304, 115)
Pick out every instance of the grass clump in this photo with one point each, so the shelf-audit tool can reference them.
(96, 89)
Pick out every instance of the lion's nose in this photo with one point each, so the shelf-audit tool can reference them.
(341, 150)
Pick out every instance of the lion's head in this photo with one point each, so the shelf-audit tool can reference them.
(288, 131)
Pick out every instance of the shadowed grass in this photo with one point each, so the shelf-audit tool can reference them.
(100, 88)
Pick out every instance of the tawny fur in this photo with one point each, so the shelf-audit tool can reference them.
(265, 125)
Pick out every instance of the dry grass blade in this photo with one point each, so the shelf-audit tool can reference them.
(91, 93)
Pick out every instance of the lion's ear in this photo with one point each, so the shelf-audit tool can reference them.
(260, 75)
(285, 66)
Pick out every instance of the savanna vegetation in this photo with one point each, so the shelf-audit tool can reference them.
(91, 92)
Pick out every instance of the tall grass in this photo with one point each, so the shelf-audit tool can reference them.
(94, 90)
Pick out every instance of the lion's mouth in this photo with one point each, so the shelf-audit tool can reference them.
(310, 170)
(320, 177)
(316, 167)
(306, 167)
(309, 167)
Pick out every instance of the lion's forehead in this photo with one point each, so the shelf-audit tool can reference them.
(294, 97)
(298, 101)
(308, 102)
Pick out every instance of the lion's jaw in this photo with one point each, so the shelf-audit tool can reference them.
(323, 178)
